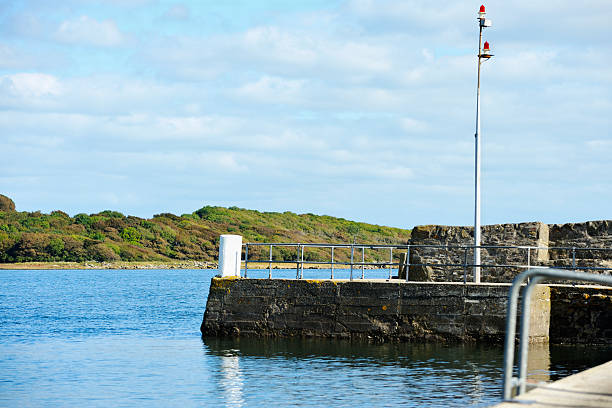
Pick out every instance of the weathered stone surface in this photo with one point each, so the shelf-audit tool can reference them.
(571, 240)
(406, 311)
(561, 245)
(581, 314)
(401, 311)
(421, 273)
(401, 270)
(444, 242)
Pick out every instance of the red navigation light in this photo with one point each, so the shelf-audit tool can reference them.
(486, 51)
(481, 12)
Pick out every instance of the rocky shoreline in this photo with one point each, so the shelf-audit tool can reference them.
(108, 265)
(149, 265)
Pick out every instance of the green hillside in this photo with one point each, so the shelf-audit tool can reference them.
(112, 236)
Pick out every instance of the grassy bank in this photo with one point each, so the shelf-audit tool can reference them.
(128, 242)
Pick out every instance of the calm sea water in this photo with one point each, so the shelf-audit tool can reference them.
(131, 338)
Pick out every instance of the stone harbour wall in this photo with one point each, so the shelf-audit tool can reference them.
(592, 234)
(580, 314)
(401, 311)
(525, 234)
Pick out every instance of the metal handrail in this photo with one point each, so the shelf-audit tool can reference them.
(405, 246)
(299, 262)
(300, 247)
(534, 276)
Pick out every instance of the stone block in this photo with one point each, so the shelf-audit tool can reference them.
(421, 273)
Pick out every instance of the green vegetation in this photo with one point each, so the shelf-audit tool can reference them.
(6, 204)
(112, 236)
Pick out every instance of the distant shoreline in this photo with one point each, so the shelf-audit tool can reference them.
(108, 265)
(148, 265)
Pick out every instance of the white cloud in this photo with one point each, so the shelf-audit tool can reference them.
(277, 51)
(31, 85)
(86, 30)
(196, 163)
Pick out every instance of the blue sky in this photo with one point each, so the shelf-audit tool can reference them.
(359, 109)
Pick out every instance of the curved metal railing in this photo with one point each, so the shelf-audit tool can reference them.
(534, 276)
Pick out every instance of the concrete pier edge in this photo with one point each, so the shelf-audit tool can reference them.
(589, 388)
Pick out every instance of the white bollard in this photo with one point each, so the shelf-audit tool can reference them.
(230, 249)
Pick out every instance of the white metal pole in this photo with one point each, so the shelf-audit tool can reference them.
(477, 173)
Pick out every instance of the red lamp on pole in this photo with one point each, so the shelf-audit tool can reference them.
(481, 12)
(486, 51)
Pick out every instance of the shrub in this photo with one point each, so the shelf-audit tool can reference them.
(167, 215)
(129, 253)
(147, 224)
(74, 249)
(83, 219)
(31, 247)
(6, 204)
(97, 235)
(59, 219)
(111, 214)
(35, 222)
(214, 214)
(56, 247)
(131, 235)
(101, 252)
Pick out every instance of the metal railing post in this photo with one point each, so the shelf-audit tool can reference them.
(407, 264)
(465, 256)
(352, 253)
(573, 257)
(270, 264)
(297, 262)
(528, 257)
(390, 262)
(362, 262)
(332, 262)
(302, 264)
(246, 259)
(237, 264)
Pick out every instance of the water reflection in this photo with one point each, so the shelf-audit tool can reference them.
(314, 372)
(538, 363)
(476, 383)
(231, 380)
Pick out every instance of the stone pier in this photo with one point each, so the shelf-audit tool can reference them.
(401, 311)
